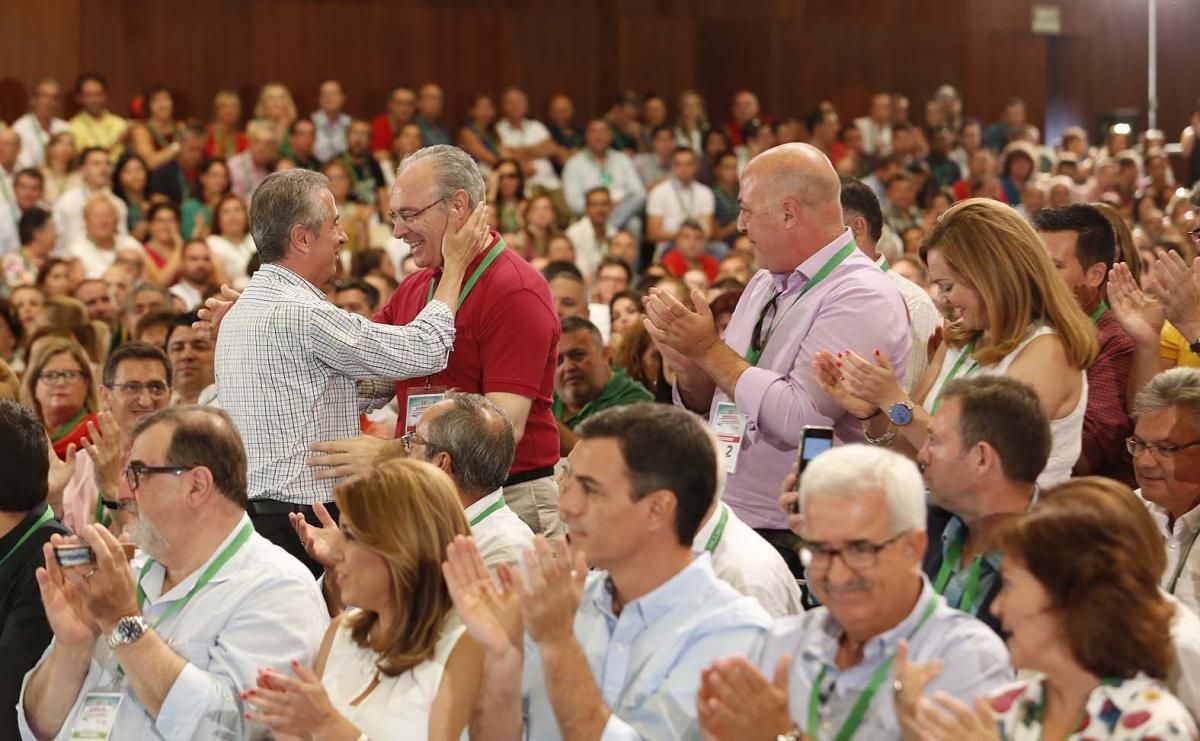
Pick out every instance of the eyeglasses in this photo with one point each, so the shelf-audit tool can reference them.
(1195, 235)
(410, 217)
(757, 341)
(157, 389)
(1135, 447)
(411, 440)
(859, 555)
(70, 376)
(136, 470)
(506, 175)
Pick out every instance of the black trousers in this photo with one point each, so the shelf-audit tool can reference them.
(270, 519)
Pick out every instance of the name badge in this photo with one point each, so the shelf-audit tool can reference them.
(97, 717)
(729, 425)
(418, 403)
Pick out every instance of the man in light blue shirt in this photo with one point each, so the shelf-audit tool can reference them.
(617, 653)
(596, 165)
(863, 512)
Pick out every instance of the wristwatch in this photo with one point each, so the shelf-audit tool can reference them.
(900, 413)
(793, 735)
(128, 630)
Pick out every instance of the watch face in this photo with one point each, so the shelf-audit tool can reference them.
(900, 415)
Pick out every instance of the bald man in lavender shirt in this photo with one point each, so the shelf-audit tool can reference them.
(814, 291)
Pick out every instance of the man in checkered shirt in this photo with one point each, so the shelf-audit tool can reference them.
(293, 369)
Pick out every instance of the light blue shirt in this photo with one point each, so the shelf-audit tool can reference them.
(974, 662)
(647, 661)
(583, 171)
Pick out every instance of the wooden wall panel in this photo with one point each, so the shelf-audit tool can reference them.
(792, 52)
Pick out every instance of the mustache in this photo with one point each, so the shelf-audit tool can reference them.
(858, 585)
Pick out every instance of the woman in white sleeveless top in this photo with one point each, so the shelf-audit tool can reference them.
(399, 665)
(1010, 314)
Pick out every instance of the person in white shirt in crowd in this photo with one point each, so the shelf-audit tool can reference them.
(527, 141)
(197, 275)
(655, 166)
(862, 213)
(102, 241)
(249, 168)
(876, 127)
(591, 234)
(678, 199)
(331, 122)
(211, 602)
(192, 355)
(615, 652)
(1166, 462)
(10, 153)
(41, 122)
(231, 241)
(840, 670)
(596, 165)
(470, 438)
(95, 170)
(398, 665)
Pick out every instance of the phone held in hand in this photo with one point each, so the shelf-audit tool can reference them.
(814, 440)
(69, 556)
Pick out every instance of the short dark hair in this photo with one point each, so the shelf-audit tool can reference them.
(31, 221)
(661, 128)
(90, 77)
(559, 268)
(598, 189)
(135, 350)
(1007, 415)
(481, 451)
(579, 324)
(162, 206)
(690, 224)
(1095, 240)
(154, 319)
(369, 291)
(24, 467)
(204, 436)
(681, 149)
(30, 172)
(618, 262)
(858, 197)
(187, 319)
(89, 151)
(663, 447)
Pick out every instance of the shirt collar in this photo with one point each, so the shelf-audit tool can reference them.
(1185, 524)
(808, 268)
(152, 585)
(483, 503)
(278, 273)
(12, 536)
(705, 532)
(676, 592)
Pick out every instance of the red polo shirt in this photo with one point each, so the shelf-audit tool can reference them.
(506, 340)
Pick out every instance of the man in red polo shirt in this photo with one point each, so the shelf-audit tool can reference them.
(506, 340)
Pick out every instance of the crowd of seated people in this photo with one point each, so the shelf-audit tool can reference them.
(324, 427)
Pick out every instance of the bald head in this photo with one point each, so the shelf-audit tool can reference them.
(791, 205)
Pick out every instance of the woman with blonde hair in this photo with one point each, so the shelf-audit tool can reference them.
(60, 387)
(399, 664)
(1009, 314)
(692, 123)
(275, 106)
(59, 173)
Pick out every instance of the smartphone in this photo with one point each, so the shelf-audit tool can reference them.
(814, 440)
(81, 555)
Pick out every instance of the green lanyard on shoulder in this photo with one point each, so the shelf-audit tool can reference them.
(102, 516)
(46, 517)
(968, 602)
(218, 563)
(753, 355)
(715, 539)
(1183, 557)
(1095, 315)
(497, 505)
(966, 353)
(65, 430)
(859, 711)
(466, 289)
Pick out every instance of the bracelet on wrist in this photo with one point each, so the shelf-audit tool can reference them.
(878, 411)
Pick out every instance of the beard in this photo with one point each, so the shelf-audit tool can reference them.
(146, 536)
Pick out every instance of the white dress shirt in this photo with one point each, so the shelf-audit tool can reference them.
(261, 610)
(589, 251)
(188, 294)
(924, 319)
(1183, 581)
(34, 139)
(68, 214)
(748, 563)
(331, 135)
(287, 364)
(530, 134)
(675, 203)
(235, 258)
(95, 260)
(501, 535)
(1183, 678)
(583, 171)
(877, 138)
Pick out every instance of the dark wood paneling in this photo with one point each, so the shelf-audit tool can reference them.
(792, 52)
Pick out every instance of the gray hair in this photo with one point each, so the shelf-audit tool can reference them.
(1178, 387)
(479, 438)
(851, 470)
(454, 170)
(283, 200)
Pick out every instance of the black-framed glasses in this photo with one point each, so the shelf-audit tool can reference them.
(409, 218)
(1136, 445)
(411, 440)
(757, 340)
(157, 389)
(136, 470)
(52, 377)
(858, 555)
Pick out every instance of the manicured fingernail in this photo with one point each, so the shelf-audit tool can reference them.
(839, 365)
(877, 352)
